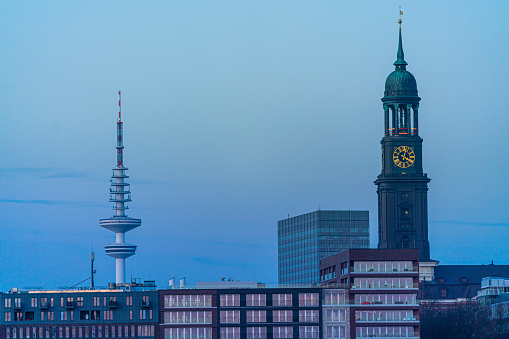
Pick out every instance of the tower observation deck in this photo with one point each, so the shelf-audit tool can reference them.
(120, 223)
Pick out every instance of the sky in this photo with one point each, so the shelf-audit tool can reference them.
(236, 115)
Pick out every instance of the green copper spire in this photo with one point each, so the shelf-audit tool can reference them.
(400, 62)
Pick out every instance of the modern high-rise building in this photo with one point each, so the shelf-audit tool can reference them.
(402, 186)
(305, 239)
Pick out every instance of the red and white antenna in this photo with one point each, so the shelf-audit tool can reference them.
(119, 105)
(120, 144)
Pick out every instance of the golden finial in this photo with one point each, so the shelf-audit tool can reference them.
(400, 14)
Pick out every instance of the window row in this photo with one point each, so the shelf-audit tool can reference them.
(172, 301)
(383, 266)
(227, 317)
(305, 299)
(397, 315)
(69, 301)
(377, 283)
(385, 331)
(61, 332)
(69, 315)
(277, 332)
(385, 299)
(190, 317)
(188, 333)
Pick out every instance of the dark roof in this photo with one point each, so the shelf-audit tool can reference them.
(450, 282)
(473, 273)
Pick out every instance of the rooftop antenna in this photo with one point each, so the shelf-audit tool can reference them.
(92, 271)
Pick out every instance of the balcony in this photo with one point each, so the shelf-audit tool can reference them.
(380, 320)
(384, 287)
(391, 271)
(43, 306)
(112, 304)
(145, 304)
(69, 304)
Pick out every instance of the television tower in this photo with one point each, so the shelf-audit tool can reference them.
(120, 223)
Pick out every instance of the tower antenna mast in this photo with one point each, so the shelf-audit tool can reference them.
(120, 194)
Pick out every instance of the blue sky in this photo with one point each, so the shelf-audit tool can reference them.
(237, 114)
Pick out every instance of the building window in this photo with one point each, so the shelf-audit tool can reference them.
(230, 332)
(188, 333)
(256, 316)
(334, 299)
(282, 316)
(282, 332)
(309, 316)
(189, 317)
(308, 299)
(171, 301)
(97, 301)
(79, 301)
(230, 299)
(8, 303)
(227, 317)
(443, 292)
(256, 332)
(255, 300)
(17, 302)
(8, 316)
(309, 332)
(337, 315)
(129, 301)
(281, 300)
(405, 242)
(384, 331)
(33, 302)
(334, 332)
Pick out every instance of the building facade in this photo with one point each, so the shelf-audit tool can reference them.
(79, 314)
(305, 239)
(382, 290)
(402, 187)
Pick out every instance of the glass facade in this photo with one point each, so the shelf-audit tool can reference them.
(305, 239)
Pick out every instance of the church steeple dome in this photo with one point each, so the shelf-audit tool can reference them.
(400, 83)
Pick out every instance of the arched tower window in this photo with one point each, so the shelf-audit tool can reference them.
(405, 242)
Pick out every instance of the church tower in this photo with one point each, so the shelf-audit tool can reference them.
(402, 186)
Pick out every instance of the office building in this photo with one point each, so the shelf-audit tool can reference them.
(305, 239)
(382, 290)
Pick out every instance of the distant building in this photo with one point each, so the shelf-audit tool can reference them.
(305, 239)
(382, 287)
(232, 312)
(453, 283)
(131, 312)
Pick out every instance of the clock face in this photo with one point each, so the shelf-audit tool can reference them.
(403, 156)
